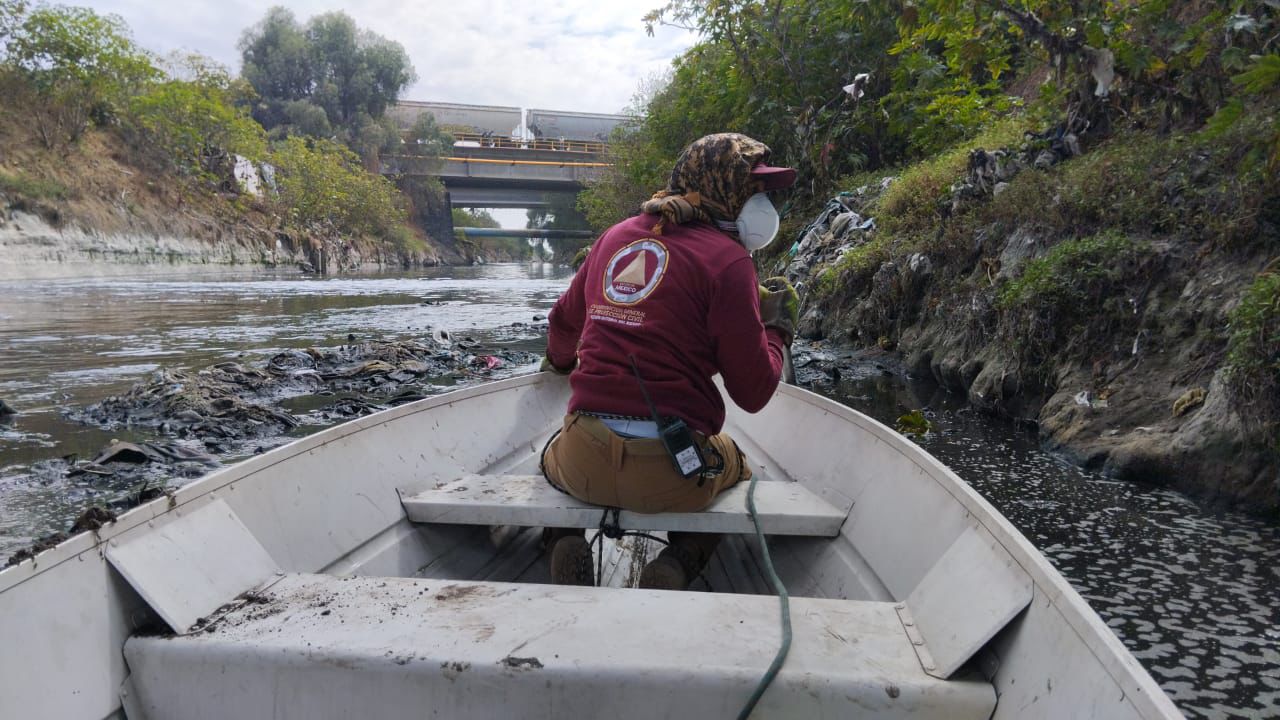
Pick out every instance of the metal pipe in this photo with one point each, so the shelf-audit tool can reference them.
(522, 232)
(552, 163)
(491, 161)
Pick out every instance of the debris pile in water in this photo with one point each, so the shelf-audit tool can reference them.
(90, 520)
(819, 364)
(164, 453)
(234, 401)
(234, 409)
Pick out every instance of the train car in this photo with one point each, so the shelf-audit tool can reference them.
(494, 120)
(568, 125)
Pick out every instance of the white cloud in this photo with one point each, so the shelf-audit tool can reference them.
(564, 55)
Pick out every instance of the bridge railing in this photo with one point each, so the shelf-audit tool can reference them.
(497, 141)
(570, 168)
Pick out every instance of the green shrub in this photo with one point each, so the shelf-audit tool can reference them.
(1253, 352)
(79, 64)
(864, 258)
(910, 204)
(33, 188)
(178, 122)
(1064, 276)
(1192, 187)
(1069, 298)
(324, 185)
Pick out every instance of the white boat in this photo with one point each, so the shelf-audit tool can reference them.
(390, 567)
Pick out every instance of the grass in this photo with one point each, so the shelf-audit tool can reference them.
(910, 204)
(32, 188)
(1253, 351)
(405, 240)
(1183, 186)
(907, 212)
(1063, 276)
(1072, 298)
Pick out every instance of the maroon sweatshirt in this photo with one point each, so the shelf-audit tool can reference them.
(686, 304)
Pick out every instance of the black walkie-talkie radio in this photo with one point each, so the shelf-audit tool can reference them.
(676, 437)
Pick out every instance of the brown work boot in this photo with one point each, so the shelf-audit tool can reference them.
(571, 562)
(664, 573)
(682, 560)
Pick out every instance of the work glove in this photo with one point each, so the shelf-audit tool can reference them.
(547, 365)
(780, 307)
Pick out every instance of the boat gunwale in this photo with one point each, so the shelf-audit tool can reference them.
(1083, 620)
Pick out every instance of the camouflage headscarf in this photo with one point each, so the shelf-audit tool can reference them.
(711, 181)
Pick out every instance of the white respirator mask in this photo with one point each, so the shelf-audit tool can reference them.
(757, 224)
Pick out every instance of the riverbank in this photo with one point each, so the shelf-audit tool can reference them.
(1117, 294)
(86, 207)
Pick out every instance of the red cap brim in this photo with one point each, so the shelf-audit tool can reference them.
(774, 178)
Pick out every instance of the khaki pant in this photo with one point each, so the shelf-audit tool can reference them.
(593, 464)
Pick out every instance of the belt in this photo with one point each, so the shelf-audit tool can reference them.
(605, 430)
(630, 429)
(613, 416)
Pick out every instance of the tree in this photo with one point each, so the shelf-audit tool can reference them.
(775, 70)
(427, 139)
(474, 217)
(277, 61)
(350, 75)
(11, 14)
(78, 63)
(1176, 58)
(561, 213)
(181, 122)
(325, 187)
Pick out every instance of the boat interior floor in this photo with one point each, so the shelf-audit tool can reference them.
(517, 554)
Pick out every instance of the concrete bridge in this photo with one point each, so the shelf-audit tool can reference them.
(505, 157)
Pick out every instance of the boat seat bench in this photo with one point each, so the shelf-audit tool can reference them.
(323, 646)
(784, 508)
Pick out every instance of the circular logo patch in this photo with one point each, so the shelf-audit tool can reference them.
(635, 271)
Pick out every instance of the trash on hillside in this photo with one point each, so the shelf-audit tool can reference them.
(840, 227)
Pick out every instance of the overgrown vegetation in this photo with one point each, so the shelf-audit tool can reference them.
(838, 87)
(32, 188)
(1126, 147)
(327, 78)
(178, 123)
(1067, 300)
(1254, 349)
(75, 65)
(321, 90)
(324, 185)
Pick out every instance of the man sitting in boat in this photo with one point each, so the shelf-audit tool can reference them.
(664, 301)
